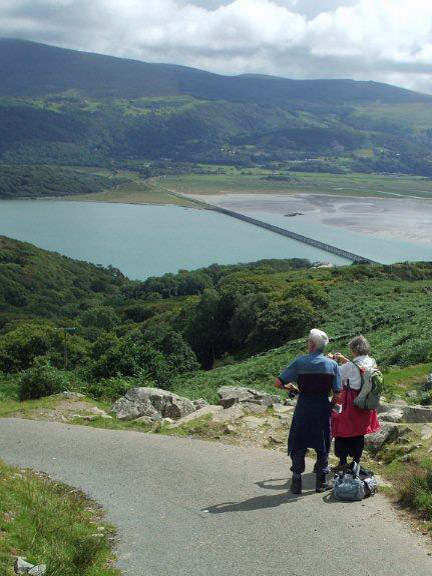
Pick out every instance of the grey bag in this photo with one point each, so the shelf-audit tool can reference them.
(372, 382)
(349, 487)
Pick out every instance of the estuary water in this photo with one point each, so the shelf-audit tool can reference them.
(145, 240)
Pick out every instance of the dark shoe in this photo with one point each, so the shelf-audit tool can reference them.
(321, 483)
(296, 485)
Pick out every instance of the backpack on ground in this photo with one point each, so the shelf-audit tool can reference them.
(354, 485)
(372, 381)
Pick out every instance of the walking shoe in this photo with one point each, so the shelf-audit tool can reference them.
(321, 483)
(296, 485)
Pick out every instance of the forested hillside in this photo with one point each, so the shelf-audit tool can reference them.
(193, 331)
(73, 108)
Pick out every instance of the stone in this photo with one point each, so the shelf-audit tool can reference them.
(281, 409)
(428, 384)
(399, 402)
(229, 415)
(145, 420)
(389, 432)
(71, 395)
(200, 403)
(253, 422)
(254, 408)
(97, 411)
(230, 395)
(202, 412)
(38, 570)
(412, 414)
(21, 566)
(426, 432)
(275, 438)
(152, 402)
(393, 415)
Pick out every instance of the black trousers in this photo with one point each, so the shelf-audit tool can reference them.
(298, 462)
(353, 447)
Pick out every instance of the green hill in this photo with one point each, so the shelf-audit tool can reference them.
(67, 107)
(195, 331)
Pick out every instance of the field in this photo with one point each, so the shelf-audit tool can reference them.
(262, 182)
(137, 191)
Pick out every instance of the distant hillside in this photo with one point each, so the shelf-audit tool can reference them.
(32, 69)
(67, 107)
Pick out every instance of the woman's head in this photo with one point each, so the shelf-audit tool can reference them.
(359, 346)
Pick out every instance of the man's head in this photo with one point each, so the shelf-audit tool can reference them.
(317, 340)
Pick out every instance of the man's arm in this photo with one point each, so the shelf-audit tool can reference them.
(285, 379)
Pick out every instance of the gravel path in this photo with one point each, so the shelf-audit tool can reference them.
(191, 508)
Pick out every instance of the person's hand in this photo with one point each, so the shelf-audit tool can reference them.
(279, 384)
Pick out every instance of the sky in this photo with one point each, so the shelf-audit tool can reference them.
(383, 40)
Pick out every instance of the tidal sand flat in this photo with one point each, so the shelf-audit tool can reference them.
(407, 220)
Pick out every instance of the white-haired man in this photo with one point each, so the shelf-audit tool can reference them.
(317, 377)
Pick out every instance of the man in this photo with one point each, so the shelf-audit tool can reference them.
(317, 377)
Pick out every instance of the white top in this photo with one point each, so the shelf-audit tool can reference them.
(350, 372)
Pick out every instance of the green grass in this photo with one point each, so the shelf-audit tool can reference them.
(136, 191)
(49, 523)
(254, 181)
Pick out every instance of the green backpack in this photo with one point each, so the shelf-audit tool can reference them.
(372, 382)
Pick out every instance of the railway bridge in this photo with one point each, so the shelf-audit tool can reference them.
(278, 230)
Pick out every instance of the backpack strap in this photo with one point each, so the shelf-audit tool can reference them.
(361, 370)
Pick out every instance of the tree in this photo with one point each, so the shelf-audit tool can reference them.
(102, 317)
(284, 321)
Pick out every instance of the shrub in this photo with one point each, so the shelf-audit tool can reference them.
(41, 380)
(111, 388)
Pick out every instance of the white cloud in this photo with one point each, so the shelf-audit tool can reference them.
(382, 40)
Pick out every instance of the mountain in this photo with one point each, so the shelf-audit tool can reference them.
(60, 106)
(29, 69)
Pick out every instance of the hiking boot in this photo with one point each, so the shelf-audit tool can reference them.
(321, 483)
(296, 484)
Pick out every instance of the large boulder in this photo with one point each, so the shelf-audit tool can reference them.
(388, 432)
(152, 402)
(410, 414)
(205, 411)
(230, 395)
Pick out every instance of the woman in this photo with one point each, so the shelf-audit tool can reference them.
(350, 426)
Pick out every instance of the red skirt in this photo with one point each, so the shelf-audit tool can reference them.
(353, 421)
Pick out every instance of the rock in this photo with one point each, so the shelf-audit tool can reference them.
(21, 566)
(393, 415)
(428, 384)
(416, 414)
(399, 402)
(254, 408)
(253, 422)
(205, 411)
(38, 570)
(230, 395)
(152, 402)
(229, 415)
(97, 411)
(145, 420)
(389, 432)
(71, 395)
(426, 432)
(275, 438)
(281, 409)
(410, 414)
(200, 403)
